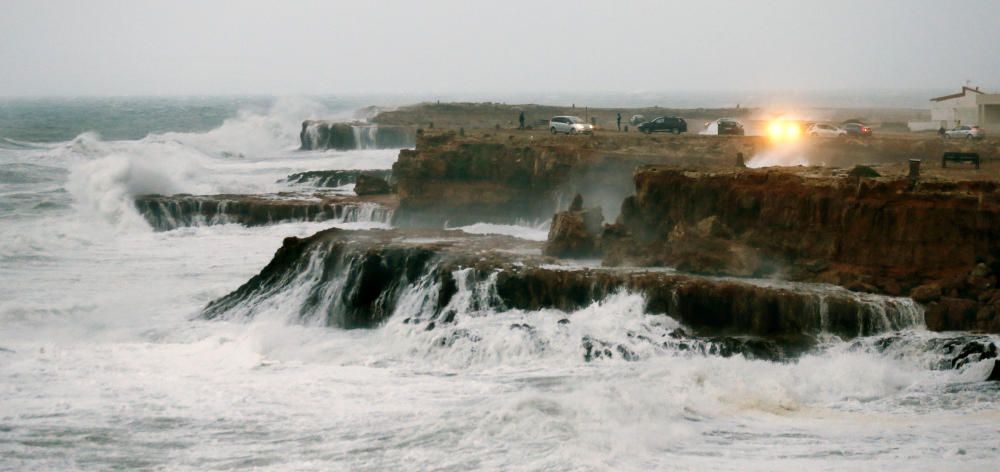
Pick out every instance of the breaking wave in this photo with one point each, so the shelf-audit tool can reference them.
(250, 153)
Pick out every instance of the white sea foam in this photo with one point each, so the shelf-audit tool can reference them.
(531, 233)
(247, 154)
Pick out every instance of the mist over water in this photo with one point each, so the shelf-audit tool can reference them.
(106, 364)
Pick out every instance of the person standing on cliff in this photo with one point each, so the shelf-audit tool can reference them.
(520, 119)
(619, 122)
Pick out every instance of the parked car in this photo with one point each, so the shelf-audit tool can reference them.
(729, 126)
(857, 129)
(966, 132)
(670, 124)
(823, 129)
(570, 125)
(723, 126)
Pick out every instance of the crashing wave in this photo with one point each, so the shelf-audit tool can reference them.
(316, 135)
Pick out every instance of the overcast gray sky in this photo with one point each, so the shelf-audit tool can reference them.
(128, 47)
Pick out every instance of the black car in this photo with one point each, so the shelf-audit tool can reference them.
(665, 123)
(857, 129)
(731, 127)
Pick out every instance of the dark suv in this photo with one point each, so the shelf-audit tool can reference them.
(665, 123)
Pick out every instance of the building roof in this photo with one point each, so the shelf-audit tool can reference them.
(956, 95)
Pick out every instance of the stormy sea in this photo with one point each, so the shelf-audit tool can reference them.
(108, 363)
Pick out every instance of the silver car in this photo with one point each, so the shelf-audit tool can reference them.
(570, 125)
(965, 132)
(823, 129)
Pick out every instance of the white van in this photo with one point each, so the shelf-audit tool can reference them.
(570, 125)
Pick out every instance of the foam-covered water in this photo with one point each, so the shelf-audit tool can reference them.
(105, 364)
(531, 233)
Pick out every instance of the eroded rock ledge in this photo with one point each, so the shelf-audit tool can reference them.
(358, 279)
(166, 212)
(934, 239)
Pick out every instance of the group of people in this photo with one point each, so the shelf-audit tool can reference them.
(520, 120)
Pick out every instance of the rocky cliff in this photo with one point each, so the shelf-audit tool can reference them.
(879, 235)
(506, 178)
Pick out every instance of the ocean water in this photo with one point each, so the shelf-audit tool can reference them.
(105, 364)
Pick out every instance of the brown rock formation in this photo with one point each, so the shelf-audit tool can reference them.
(575, 233)
(873, 227)
(875, 235)
(366, 184)
(926, 293)
(522, 177)
(359, 277)
(950, 314)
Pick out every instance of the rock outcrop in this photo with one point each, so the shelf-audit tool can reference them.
(574, 233)
(994, 375)
(357, 279)
(366, 184)
(167, 212)
(878, 235)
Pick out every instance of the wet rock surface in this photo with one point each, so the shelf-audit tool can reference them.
(357, 279)
(371, 185)
(335, 178)
(166, 212)
(995, 373)
(574, 233)
(942, 352)
(320, 134)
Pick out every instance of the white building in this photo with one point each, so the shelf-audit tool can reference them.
(968, 107)
(989, 110)
(958, 108)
